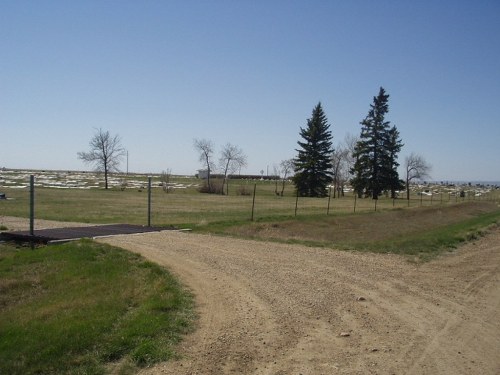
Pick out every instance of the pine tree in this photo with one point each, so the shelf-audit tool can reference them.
(393, 147)
(313, 163)
(375, 169)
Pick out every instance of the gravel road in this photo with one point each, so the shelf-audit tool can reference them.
(268, 308)
(275, 309)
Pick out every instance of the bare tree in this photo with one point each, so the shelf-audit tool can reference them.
(165, 179)
(416, 168)
(276, 173)
(340, 167)
(231, 160)
(205, 149)
(342, 162)
(350, 142)
(287, 169)
(105, 153)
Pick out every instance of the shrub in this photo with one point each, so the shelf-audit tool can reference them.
(215, 187)
(243, 190)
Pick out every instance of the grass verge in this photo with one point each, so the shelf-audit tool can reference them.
(420, 232)
(86, 308)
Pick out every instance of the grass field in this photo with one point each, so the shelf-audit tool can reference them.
(418, 226)
(84, 308)
(185, 206)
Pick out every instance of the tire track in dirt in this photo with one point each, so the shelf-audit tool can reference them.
(268, 308)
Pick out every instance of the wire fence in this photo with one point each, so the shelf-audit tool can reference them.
(261, 205)
(184, 204)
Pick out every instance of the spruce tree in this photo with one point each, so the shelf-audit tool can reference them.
(393, 146)
(375, 169)
(313, 164)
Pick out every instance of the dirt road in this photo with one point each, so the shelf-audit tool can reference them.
(268, 308)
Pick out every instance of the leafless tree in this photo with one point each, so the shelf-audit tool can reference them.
(276, 173)
(205, 149)
(287, 169)
(231, 160)
(105, 153)
(165, 179)
(416, 168)
(350, 142)
(342, 162)
(340, 169)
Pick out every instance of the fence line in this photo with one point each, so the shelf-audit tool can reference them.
(158, 207)
(261, 204)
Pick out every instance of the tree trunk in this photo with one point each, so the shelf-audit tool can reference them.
(106, 176)
(208, 178)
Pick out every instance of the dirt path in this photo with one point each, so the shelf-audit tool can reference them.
(18, 223)
(268, 308)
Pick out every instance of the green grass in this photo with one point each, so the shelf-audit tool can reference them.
(85, 308)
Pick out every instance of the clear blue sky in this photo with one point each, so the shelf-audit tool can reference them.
(161, 73)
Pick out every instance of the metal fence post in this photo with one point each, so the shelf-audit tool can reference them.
(253, 200)
(329, 197)
(296, 202)
(32, 205)
(149, 201)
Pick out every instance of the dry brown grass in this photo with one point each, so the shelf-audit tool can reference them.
(366, 227)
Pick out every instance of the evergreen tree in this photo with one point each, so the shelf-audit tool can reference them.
(393, 147)
(361, 169)
(313, 163)
(375, 169)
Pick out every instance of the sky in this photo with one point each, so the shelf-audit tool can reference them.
(161, 74)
